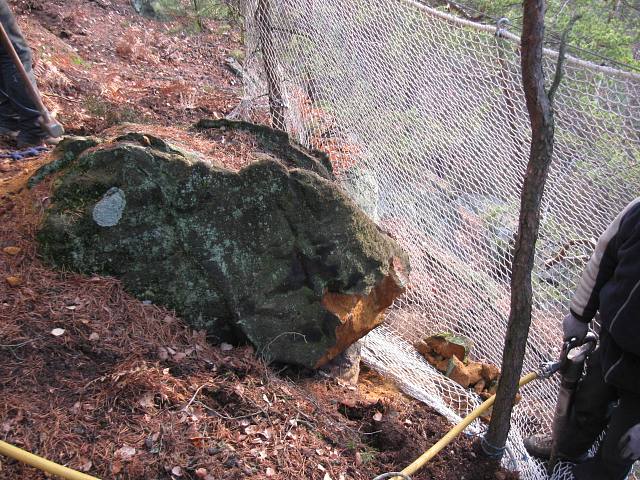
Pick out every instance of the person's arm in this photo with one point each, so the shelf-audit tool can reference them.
(600, 269)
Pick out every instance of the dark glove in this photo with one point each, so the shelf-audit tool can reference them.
(630, 444)
(572, 327)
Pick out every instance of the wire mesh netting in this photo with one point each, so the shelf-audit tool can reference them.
(424, 118)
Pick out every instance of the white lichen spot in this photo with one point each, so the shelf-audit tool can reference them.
(108, 211)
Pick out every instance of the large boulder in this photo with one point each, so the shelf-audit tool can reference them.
(274, 254)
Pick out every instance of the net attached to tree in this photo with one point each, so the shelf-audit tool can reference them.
(424, 117)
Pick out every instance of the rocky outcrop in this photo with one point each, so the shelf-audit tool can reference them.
(274, 254)
(149, 8)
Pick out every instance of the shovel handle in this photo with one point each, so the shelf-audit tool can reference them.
(47, 122)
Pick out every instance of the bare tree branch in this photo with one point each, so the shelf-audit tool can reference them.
(562, 52)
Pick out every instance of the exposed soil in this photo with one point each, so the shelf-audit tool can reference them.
(99, 381)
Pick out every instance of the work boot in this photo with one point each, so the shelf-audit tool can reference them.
(27, 141)
(539, 446)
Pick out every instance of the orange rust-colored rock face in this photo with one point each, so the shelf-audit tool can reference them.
(359, 314)
(475, 370)
(490, 373)
(458, 372)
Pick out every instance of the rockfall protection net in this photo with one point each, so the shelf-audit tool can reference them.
(425, 120)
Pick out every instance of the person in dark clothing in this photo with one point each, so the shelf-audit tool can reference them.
(19, 115)
(608, 396)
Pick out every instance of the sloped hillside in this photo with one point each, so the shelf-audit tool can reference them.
(96, 380)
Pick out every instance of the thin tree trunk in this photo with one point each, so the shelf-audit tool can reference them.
(542, 130)
(276, 105)
(196, 8)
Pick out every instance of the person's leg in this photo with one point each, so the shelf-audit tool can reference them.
(607, 464)
(8, 116)
(17, 109)
(590, 412)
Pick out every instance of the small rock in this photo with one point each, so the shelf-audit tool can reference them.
(446, 345)
(457, 372)
(125, 453)
(14, 281)
(201, 472)
(441, 364)
(346, 366)
(475, 372)
(94, 337)
(163, 353)
(490, 373)
(231, 462)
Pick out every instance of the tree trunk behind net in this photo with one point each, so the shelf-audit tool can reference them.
(542, 128)
(276, 104)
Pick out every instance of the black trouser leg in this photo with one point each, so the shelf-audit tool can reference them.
(17, 107)
(607, 464)
(590, 412)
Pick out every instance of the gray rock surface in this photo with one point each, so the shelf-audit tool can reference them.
(274, 254)
(149, 8)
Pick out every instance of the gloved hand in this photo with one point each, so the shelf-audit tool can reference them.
(630, 444)
(572, 327)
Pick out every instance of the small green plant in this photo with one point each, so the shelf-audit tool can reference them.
(367, 456)
(351, 445)
(78, 60)
(238, 54)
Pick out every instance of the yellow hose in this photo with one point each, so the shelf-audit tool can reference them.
(41, 463)
(455, 431)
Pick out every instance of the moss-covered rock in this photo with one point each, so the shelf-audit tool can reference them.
(273, 254)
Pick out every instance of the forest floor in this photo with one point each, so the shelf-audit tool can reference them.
(99, 381)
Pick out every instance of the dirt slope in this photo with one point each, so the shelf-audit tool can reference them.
(96, 380)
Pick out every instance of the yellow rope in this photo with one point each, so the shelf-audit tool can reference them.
(41, 463)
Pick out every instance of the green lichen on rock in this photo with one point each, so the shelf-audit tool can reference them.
(65, 152)
(245, 255)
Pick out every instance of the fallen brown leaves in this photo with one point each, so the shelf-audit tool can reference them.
(100, 65)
